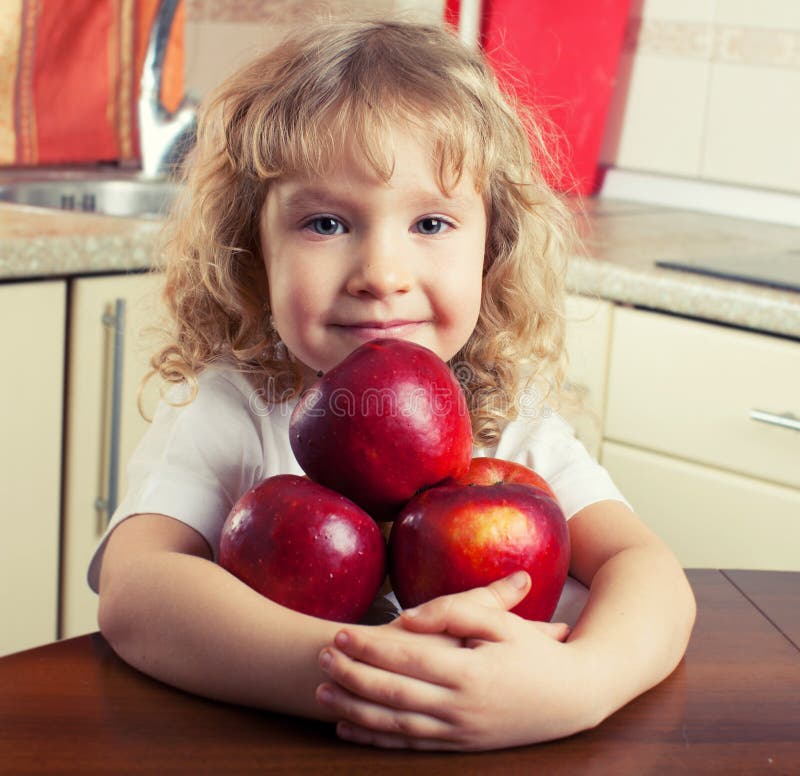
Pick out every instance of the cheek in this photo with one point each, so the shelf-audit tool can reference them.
(470, 297)
(290, 308)
(288, 288)
(470, 290)
(458, 311)
(299, 307)
(472, 308)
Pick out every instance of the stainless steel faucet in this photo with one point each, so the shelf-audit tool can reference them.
(164, 137)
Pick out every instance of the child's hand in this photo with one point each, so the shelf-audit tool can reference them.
(510, 682)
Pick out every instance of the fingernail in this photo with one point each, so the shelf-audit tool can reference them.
(324, 694)
(341, 639)
(518, 579)
(325, 659)
(411, 612)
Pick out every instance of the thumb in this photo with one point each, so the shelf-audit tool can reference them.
(479, 613)
(507, 592)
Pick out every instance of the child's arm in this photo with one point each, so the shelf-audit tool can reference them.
(171, 612)
(517, 683)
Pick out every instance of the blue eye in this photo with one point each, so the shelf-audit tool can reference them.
(325, 225)
(431, 225)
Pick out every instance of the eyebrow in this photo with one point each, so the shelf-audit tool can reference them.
(313, 197)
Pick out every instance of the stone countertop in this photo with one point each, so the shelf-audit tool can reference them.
(622, 241)
(37, 243)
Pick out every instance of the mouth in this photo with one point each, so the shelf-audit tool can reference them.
(367, 330)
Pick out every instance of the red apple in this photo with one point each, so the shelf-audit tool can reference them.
(495, 471)
(387, 421)
(452, 538)
(305, 547)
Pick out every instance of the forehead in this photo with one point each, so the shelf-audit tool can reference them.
(398, 156)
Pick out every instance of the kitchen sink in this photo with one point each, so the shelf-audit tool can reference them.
(112, 194)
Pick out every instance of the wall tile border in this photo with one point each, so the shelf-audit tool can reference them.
(276, 11)
(714, 43)
(659, 37)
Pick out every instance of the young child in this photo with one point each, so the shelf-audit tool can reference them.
(362, 180)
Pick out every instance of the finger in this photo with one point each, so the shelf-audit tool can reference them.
(507, 592)
(349, 731)
(480, 613)
(400, 724)
(383, 687)
(460, 618)
(559, 631)
(406, 656)
(502, 594)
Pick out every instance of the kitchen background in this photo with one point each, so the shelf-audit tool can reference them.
(690, 384)
(706, 89)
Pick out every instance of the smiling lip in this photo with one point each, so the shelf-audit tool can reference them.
(376, 329)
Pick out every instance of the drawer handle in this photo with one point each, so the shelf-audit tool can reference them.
(786, 420)
(116, 322)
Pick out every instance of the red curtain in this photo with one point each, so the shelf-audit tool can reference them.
(562, 58)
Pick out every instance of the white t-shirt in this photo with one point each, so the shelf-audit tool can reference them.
(196, 460)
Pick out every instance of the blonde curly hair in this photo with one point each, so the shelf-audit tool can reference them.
(290, 111)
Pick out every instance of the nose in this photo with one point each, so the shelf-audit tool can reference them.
(379, 269)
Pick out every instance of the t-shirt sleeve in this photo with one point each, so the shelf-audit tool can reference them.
(547, 444)
(192, 463)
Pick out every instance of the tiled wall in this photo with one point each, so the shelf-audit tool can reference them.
(710, 89)
(221, 35)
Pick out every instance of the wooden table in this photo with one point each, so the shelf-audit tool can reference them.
(732, 706)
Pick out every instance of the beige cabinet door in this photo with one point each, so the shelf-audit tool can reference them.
(711, 518)
(701, 436)
(588, 335)
(32, 320)
(707, 393)
(98, 339)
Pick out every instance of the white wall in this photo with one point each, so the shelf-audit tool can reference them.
(222, 35)
(710, 90)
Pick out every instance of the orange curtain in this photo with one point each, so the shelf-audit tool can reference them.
(69, 78)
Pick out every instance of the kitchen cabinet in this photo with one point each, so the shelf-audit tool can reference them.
(710, 517)
(588, 334)
(699, 436)
(32, 319)
(113, 328)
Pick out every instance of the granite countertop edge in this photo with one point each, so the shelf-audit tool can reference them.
(687, 294)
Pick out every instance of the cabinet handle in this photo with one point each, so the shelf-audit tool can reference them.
(785, 420)
(115, 321)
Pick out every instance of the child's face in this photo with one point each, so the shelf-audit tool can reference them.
(350, 258)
